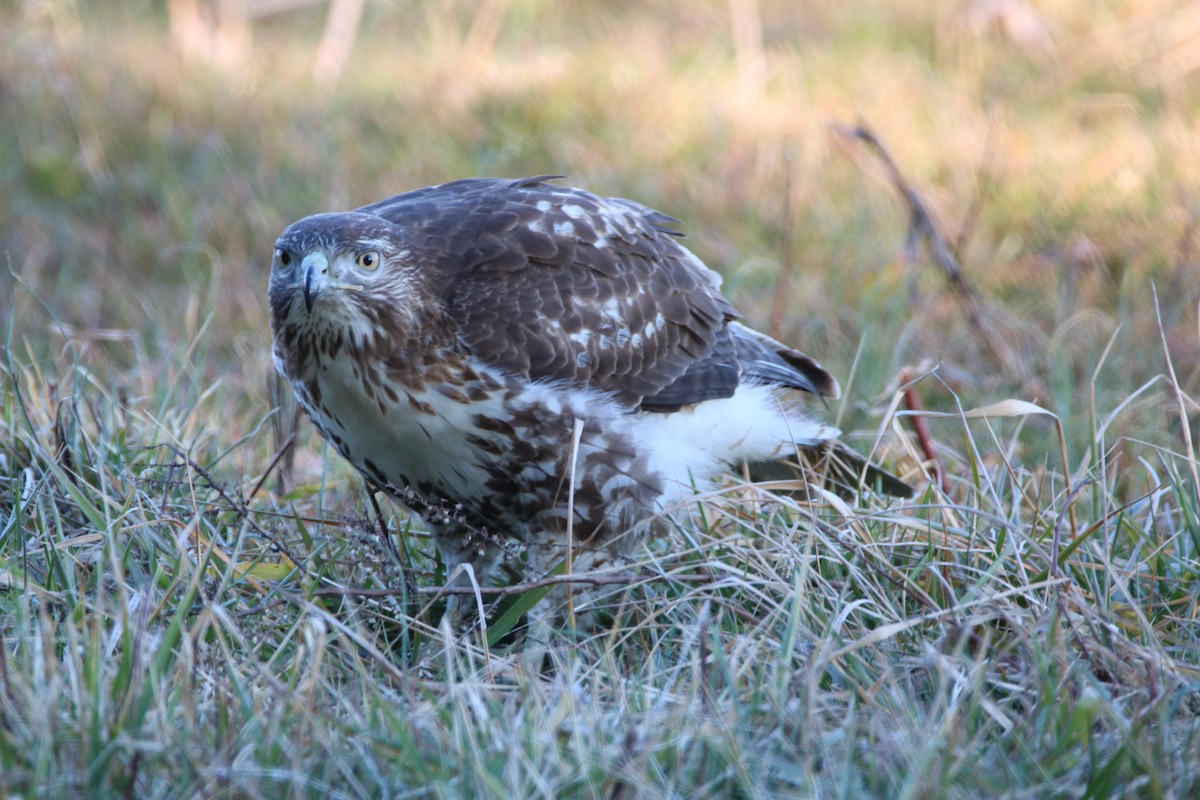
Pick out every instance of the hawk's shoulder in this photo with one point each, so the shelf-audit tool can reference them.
(556, 283)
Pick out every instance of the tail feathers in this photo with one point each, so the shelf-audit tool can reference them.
(842, 470)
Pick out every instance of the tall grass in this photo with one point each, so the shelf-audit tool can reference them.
(176, 621)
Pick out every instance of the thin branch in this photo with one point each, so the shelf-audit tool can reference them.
(922, 227)
(389, 542)
(275, 461)
(920, 424)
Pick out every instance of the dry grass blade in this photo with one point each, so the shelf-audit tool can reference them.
(1185, 425)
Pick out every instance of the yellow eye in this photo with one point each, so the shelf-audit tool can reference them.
(368, 260)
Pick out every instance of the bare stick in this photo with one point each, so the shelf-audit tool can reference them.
(283, 451)
(922, 227)
(921, 427)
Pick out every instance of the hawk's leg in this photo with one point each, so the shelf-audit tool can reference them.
(470, 560)
(580, 605)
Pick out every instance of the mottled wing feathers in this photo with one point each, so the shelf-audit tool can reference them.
(560, 284)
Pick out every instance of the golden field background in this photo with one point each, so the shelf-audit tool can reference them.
(1056, 144)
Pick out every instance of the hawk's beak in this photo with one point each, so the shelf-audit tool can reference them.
(308, 291)
(315, 268)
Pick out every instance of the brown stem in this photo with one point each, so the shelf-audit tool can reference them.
(922, 227)
(912, 401)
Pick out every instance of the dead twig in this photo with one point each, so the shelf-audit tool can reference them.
(921, 227)
(912, 402)
(388, 542)
(281, 456)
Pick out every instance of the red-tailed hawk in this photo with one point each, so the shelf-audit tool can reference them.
(452, 342)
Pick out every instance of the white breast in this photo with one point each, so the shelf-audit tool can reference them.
(409, 446)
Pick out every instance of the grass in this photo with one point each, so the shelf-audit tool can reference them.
(175, 621)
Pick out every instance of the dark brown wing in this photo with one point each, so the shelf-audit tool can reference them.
(557, 283)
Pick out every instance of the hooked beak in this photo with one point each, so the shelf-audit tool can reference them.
(316, 277)
(308, 291)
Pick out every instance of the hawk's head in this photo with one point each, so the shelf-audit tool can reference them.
(347, 273)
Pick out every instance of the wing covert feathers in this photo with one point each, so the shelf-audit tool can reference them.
(556, 283)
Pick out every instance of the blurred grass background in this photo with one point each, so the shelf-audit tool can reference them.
(1057, 144)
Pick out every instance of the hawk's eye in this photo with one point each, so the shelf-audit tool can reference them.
(283, 256)
(368, 260)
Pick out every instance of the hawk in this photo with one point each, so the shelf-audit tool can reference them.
(525, 364)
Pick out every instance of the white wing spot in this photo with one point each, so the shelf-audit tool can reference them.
(564, 228)
(616, 224)
(543, 205)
